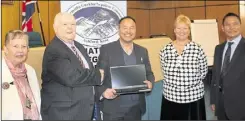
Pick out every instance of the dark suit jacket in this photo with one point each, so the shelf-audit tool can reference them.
(233, 81)
(112, 55)
(67, 91)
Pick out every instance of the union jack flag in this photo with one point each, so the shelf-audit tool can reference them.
(28, 8)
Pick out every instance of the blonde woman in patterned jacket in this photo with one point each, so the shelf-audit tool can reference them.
(184, 65)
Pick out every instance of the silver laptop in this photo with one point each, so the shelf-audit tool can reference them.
(129, 79)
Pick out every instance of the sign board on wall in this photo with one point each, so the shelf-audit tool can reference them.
(97, 22)
(205, 33)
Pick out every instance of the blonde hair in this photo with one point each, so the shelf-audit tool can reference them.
(13, 34)
(183, 19)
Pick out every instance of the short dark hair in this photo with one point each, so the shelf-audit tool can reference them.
(126, 17)
(231, 14)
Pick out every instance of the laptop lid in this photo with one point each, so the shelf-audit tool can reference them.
(130, 76)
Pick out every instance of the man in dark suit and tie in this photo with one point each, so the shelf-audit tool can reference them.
(228, 81)
(68, 75)
(120, 53)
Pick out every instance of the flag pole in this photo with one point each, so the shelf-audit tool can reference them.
(40, 22)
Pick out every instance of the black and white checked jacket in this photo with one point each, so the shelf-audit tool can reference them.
(183, 74)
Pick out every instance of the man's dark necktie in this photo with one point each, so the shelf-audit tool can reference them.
(226, 63)
(227, 59)
(76, 53)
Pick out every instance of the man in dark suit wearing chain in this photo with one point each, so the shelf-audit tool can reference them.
(228, 81)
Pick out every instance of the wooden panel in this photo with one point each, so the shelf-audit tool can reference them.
(10, 18)
(173, 4)
(218, 12)
(43, 8)
(142, 22)
(138, 4)
(48, 10)
(211, 2)
(242, 15)
(189, 3)
(54, 8)
(162, 21)
(192, 13)
(154, 45)
(161, 4)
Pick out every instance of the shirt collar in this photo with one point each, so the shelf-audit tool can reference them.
(236, 40)
(67, 43)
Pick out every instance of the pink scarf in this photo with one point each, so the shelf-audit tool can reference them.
(25, 93)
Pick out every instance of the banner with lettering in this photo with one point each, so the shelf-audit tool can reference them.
(97, 22)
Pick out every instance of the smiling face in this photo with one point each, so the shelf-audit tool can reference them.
(16, 49)
(231, 27)
(181, 31)
(182, 27)
(127, 30)
(65, 26)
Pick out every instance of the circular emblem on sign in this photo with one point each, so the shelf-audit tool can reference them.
(97, 22)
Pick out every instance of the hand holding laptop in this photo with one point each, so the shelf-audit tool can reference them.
(109, 93)
(148, 83)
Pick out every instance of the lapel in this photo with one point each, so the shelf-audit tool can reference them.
(11, 104)
(84, 53)
(139, 58)
(220, 56)
(7, 76)
(34, 85)
(118, 54)
(236, 54)
(67, 50)
(118, 50)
